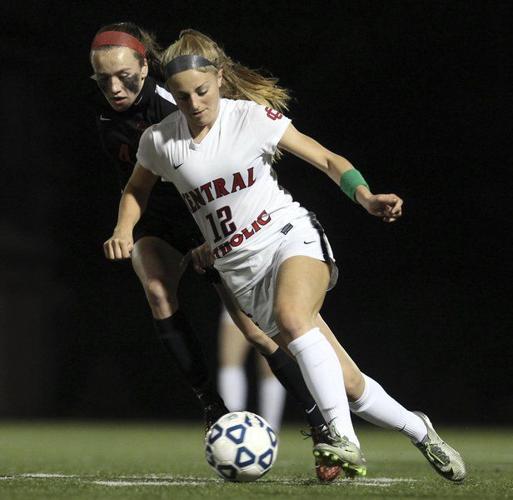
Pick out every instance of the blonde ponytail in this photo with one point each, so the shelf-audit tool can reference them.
(239, 82)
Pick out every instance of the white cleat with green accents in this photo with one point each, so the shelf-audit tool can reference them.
(338, 450)
(442, 457)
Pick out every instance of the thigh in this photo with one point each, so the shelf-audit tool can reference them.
(287, 299)
(301, 286)
(155, 260)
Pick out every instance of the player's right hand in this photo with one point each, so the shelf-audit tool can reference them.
(118, 246)
(202, 258)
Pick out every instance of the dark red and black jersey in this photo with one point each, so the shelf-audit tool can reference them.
(120, 131)
(166, 215)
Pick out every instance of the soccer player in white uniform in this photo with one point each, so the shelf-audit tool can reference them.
(271, 252)
(125, 59)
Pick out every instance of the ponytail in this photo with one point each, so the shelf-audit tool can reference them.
(239, 82)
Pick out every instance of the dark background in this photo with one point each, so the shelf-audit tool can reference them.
(416, 94)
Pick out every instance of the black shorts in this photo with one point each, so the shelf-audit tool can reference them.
(167, 218)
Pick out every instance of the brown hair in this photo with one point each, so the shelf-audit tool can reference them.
(153, 50)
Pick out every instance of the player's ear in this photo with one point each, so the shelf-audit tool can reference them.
(144, 69)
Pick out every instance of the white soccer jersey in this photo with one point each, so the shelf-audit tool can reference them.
(227, 180)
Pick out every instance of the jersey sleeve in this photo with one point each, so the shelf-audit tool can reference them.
(268, 126)
(147, 155)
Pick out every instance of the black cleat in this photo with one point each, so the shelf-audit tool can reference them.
(212, 413)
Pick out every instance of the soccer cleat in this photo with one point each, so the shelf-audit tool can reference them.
(212, 413)
(337, 450)
(442, 457)
(325, 473)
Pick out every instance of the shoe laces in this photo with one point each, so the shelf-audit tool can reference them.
(306, 434)
(435, 453)
(319, 434)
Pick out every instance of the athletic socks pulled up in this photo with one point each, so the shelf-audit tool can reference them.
(287, 371)
(180, 341)
(323, 375)
(378, 408)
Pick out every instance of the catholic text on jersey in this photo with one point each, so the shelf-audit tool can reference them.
(237, 239)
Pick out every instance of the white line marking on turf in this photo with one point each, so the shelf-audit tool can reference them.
(169, 480)
(382, 482)
(386, 480)
(43, 475)
(150, 483)
(169, 477)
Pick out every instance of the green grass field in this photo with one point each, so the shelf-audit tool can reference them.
(165, 461)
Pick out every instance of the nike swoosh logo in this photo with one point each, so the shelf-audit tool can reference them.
(178, 166)
(103, 119)
(308, 242)
(311, 409)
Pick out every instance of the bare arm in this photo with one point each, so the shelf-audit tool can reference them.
(386, 206)
(131, 206)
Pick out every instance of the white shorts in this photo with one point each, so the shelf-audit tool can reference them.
(303, 236)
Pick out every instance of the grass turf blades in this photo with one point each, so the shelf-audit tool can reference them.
(123, 460)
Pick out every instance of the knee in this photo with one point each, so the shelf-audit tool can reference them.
(292, 322)
(157, 293)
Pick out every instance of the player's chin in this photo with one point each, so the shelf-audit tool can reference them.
(120, 104)
(201, 119)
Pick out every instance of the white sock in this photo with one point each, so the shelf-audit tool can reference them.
(378, 408)
(233, 387)
(324, 378)
(271, 401)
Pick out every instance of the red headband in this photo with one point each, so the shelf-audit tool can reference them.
(118, 38)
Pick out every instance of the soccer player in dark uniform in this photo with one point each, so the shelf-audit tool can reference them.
(122, 55)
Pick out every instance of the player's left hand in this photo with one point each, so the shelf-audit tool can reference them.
(389, 207)
(202, 258)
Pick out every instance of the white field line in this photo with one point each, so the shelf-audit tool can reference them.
(382, 482)
(150, 483)
(44, 475)
(156, 480)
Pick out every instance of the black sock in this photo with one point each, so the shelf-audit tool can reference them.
(181, 343)
(288, 373)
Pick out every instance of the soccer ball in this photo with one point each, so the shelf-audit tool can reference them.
(241, 446)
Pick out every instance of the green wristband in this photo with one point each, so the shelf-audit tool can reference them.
(350, 180)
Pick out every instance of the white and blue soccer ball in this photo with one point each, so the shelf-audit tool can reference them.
(241, 446)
